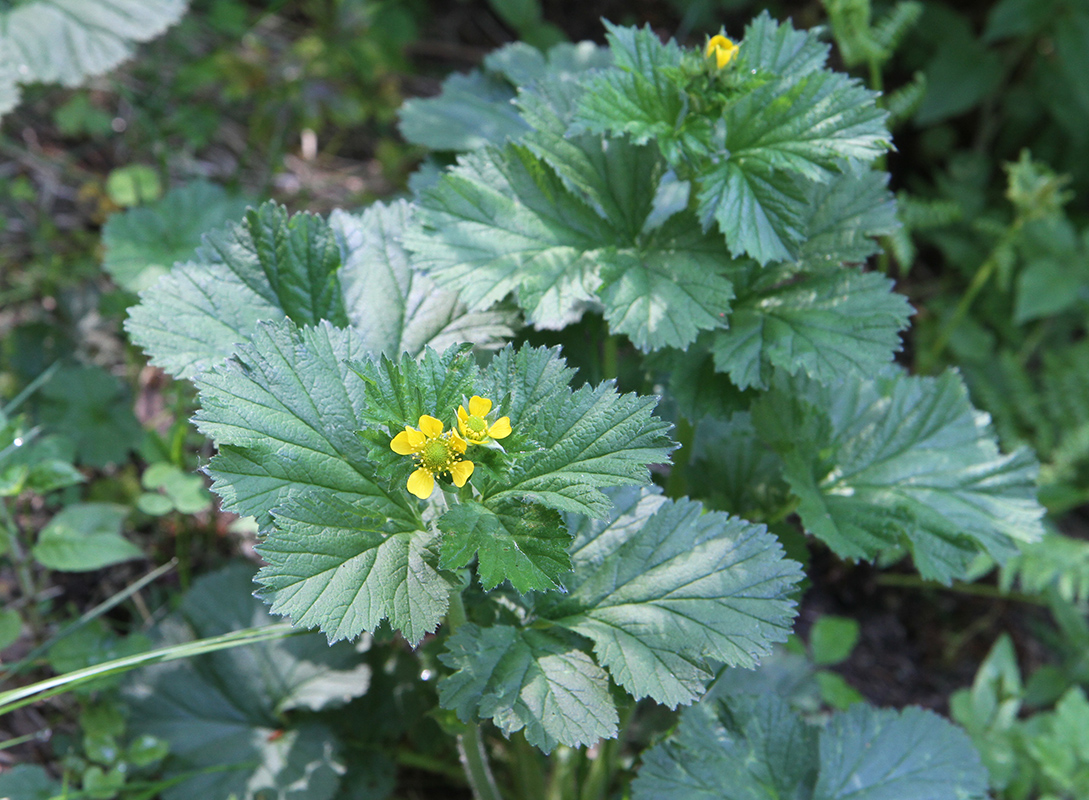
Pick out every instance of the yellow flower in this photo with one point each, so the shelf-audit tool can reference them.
(722, 48)
(474, 425)
(434, 452)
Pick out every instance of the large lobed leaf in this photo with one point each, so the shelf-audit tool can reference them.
(827, 325)
(663, 591)
(741, 748)
(901, 461)
(344, 551)
(527, 679)
(753, 145)
(349, 270)
(68, 41)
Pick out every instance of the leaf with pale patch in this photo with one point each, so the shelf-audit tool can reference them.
(349, 270)
(527, 680)
(901, 461)
(666, 591)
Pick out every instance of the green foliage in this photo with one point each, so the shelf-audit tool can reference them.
(308, 270)
(83, 537)
(142, 244)
(68, 41)
(475, 109)
(227, 716)
(901, 461)
(748, 746)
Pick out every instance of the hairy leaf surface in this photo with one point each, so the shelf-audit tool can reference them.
(663, 589)
(901, 462)
(827, 325)
(526, 679)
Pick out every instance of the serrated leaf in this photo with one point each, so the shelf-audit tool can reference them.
(83, 537)
(401, 391)
(67, 41)
(845, 214)
(142, 244)
(284, 415)
(198, 313)
(526, 679)
(636, 97)
(588, 440)
(760, 211)
(827, 325)
(808, 126)
(743, 748)
(330, 566)
(871, 754)
(901, 461)
(570, 234)
(771, 46)
(525, 544)
(664, 589)
(223, 714)
(738, 749)
(476, 109)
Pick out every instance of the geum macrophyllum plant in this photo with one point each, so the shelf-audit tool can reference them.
(712, 205)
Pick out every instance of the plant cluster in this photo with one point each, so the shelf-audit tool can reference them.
(533, 454)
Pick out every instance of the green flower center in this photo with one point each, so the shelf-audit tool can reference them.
(437, 455)
(476, 425)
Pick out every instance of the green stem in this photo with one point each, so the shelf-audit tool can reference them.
(474, 760)
(23, 572)
(677, 484)
(979, 280)
(975, 589)
(529, 777)
(603, 766)
(610, 358)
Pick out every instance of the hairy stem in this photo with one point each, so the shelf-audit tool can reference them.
(474, 760)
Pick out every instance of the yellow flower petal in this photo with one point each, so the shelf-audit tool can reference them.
(501, 429)
(723, 49)
(430, 426)
(459, 443)
(407, 441)
(460, 472)
(463, 415)
(421, 483)
(479, 406)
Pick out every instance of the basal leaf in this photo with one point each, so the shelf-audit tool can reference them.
(476, 109)
(142, 244)
(901, 461)
(331, 566)
(665, 590)
(290, 262)
(845, 214)
(871, 754)
(67, 41)
(198, 313)
(570, 233)
(743, 748)
(223, 714)
(527, 679)
(827, 325)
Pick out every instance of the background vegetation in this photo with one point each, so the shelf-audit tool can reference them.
(106, 523)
